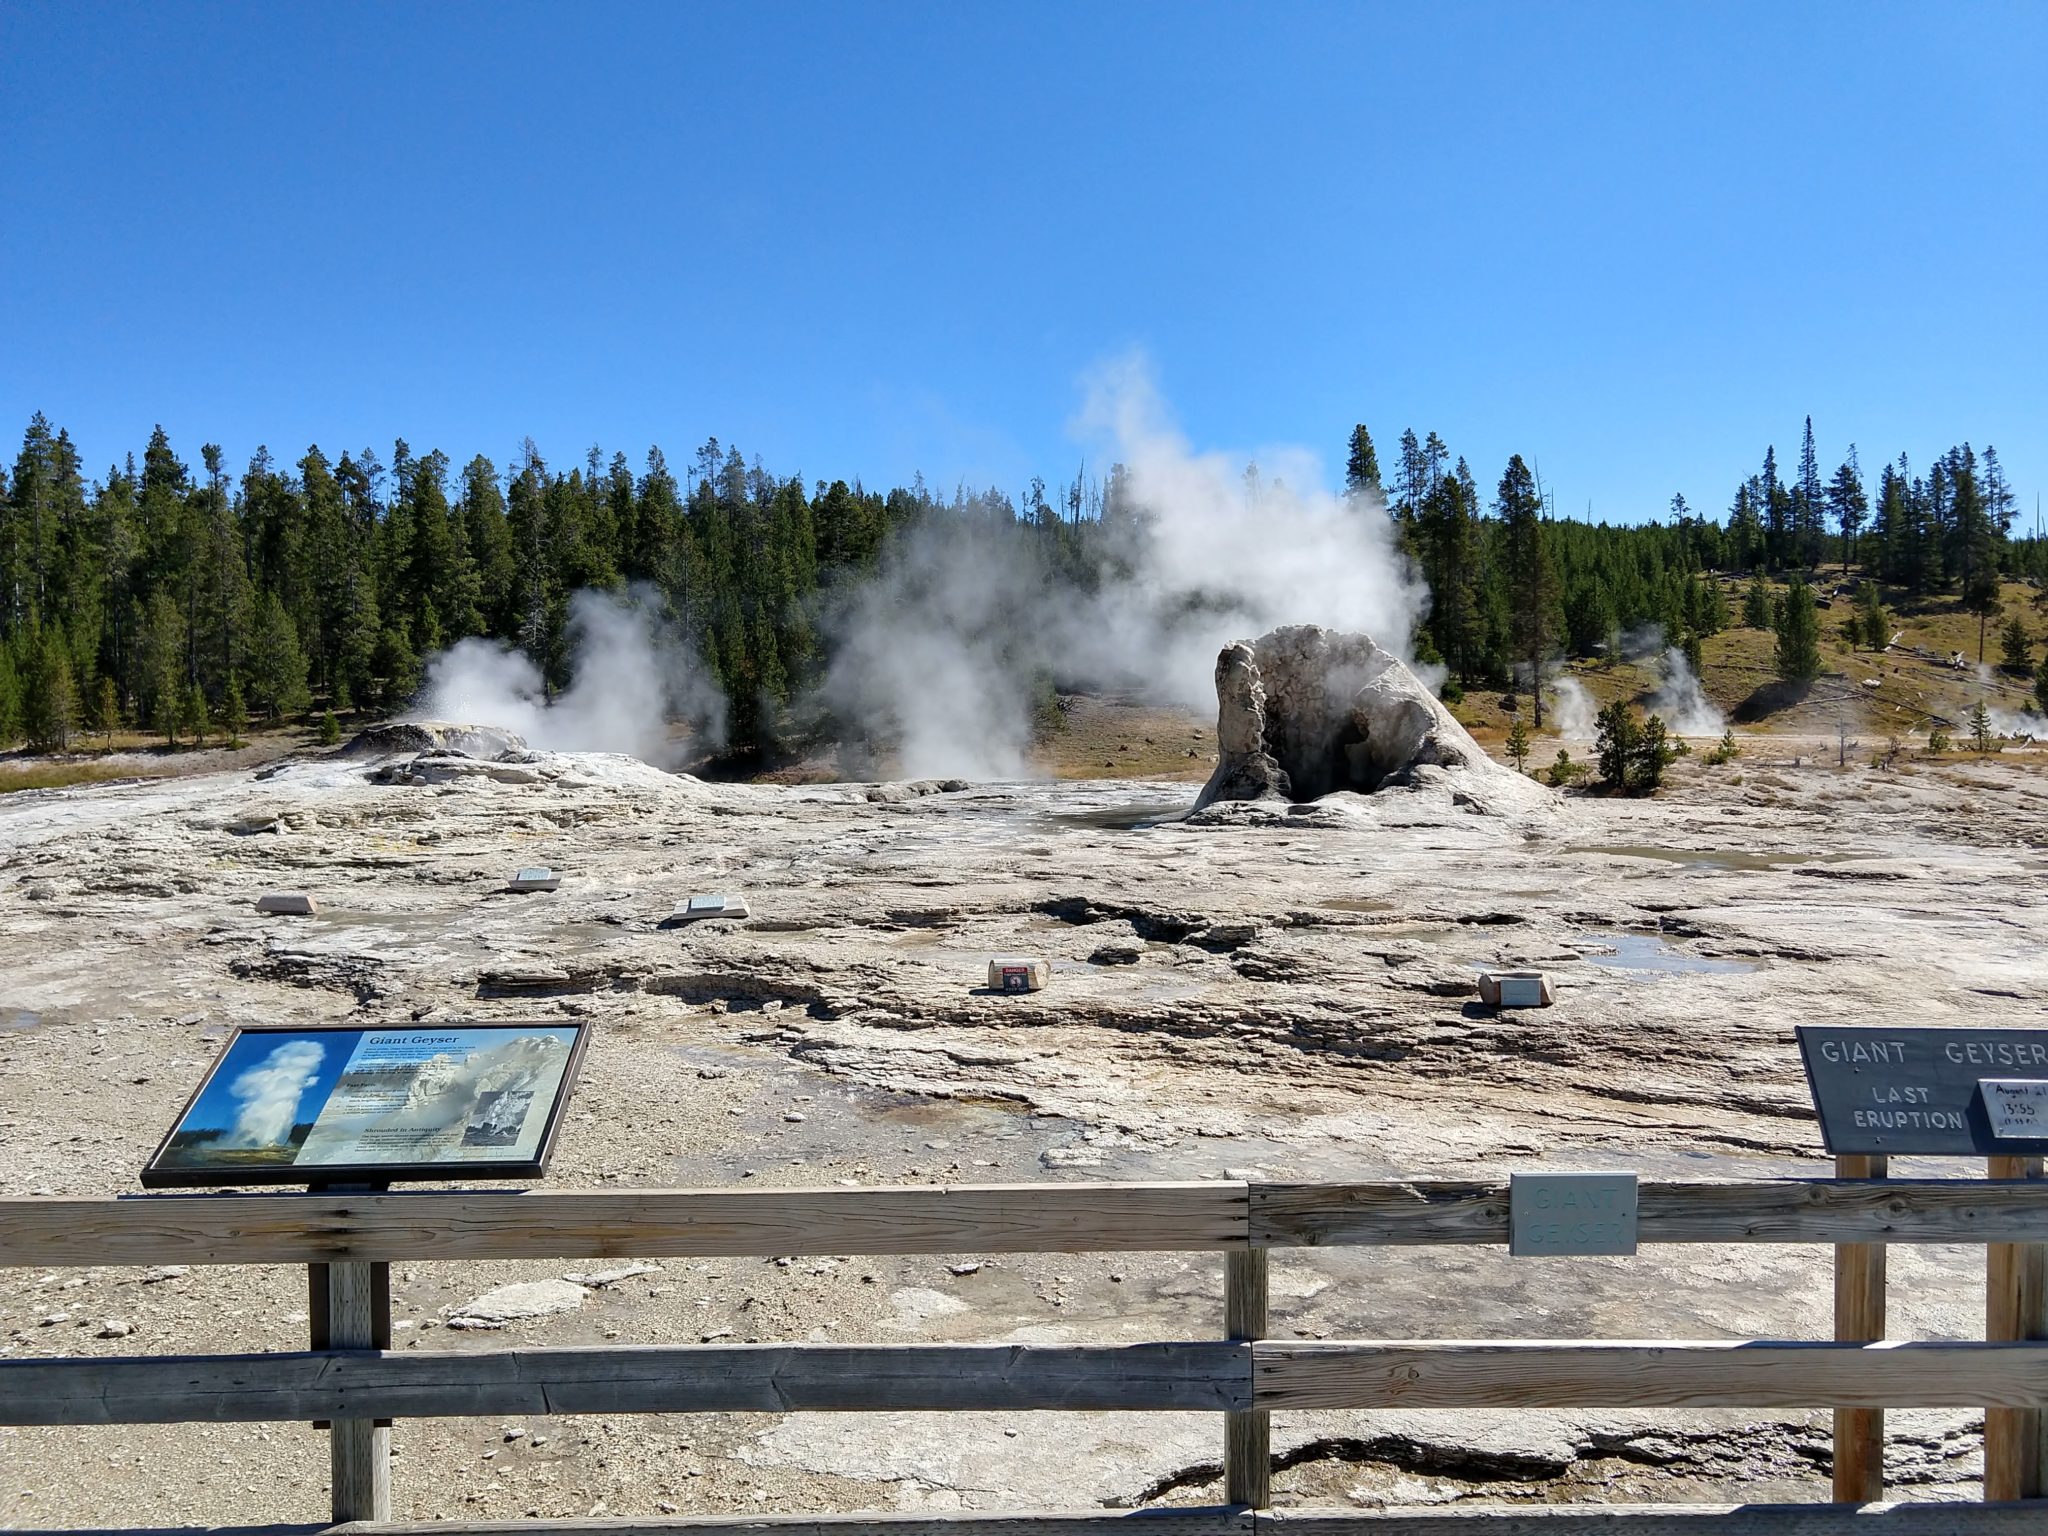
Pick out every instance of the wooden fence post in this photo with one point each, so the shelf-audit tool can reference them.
(2015, 1307)
(358, 1316)
(1859, 1317)
(1247, 1436)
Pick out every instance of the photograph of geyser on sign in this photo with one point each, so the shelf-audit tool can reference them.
(1928, 1092)
(330, 1106)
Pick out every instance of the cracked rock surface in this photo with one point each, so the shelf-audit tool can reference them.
(1284, 991)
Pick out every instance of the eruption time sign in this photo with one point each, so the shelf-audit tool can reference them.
(311, 1106)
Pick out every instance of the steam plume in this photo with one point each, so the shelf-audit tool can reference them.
(1571, 707)
(943, 648)
(1678, 697)
(269, 1095)
(630, 675)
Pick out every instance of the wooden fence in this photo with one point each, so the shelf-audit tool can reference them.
(353, 1381)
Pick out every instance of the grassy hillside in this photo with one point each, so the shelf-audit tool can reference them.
(1915, 688)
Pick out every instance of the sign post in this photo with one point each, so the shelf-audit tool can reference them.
(2015, 1307)
(1884, 1093)
(1859, 1319)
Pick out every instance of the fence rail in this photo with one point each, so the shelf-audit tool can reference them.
(991, 1218)
(1243, 1375)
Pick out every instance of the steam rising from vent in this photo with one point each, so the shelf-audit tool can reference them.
(947, 647)
(269, 1095)
(1571, 707)
(2008, 722)
(631, 673)
(1678, 699)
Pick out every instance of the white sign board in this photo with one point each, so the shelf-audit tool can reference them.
(2016, 1107)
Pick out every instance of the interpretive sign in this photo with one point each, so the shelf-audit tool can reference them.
(1927, 1091)
(1560, 1214)
(536, 879)
(300, 1106)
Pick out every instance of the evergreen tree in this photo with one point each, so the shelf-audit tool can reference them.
(50, 709)
(160, 647)
(1758, 611)
(1531, 576)
(1810, 502)
(1873, 623)
(234, 713)
(1518, 744)
(1798, 648)
(193, 715)
(277, 665)
(106, 713)
(1362, 467)
(10, 698)
(2017, 647)
(1849, 505)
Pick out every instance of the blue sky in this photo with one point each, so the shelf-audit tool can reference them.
(1633, 243)
(218, 1107)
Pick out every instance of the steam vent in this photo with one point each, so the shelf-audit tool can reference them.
(1304, 711)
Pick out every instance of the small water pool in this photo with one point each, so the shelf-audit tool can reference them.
(1649, 954)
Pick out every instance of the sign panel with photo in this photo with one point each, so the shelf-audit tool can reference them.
(311, 1106)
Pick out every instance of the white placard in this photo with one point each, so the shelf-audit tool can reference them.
(2017, 1107)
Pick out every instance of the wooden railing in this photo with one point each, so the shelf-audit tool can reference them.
(357, 1387)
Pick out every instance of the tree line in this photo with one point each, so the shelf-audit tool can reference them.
(175, 600)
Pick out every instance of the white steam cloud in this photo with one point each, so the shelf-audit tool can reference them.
(1678, 698)
(631, 673)
(269, 1095)
(2026, 722)
(949, 647)
(1572, 710)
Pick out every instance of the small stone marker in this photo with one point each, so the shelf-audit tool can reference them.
(1515, 989)
(1928, 1091)
(540, 878)
(697, 908)
(1018, 975)
(288, 904)
(1560, 1214)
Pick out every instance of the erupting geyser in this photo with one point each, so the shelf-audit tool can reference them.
(1305, 711)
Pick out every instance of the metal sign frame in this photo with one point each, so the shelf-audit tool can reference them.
(157, 1174)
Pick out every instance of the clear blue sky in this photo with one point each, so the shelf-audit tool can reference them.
(1634, 243)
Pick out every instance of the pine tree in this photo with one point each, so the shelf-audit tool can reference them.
(10, 698)
(1531, 576)
(1798, 648)
(193, 715)
(1518, 744)
(234, 713)
(1758, 612)
(1980, 727)
(1810, 501)
(1362, 467)
(2017, 647)
(1874, 623)
(50, 708)
(277, 664)
(106, 714)
(160, 646)
(1849, 505)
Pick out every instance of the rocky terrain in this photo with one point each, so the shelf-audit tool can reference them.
(1272, 987)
